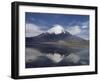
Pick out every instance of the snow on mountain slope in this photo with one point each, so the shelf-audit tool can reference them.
(57, 29)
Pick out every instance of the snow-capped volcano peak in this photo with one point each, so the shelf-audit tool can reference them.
(56, 29)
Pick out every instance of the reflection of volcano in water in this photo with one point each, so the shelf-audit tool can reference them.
(56, 48)
(52, 48)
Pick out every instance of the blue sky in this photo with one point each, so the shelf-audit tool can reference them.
(36, 23)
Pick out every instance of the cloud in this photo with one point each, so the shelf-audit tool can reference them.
(32, 30)
(81, 29)
(85, 24)
(84, 34)
(33, 19)
(57, 29)
(74, 30)
(85, 30)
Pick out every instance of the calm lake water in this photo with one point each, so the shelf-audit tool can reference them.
(52, 56)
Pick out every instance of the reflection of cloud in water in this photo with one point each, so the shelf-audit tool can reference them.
(56, 57)
(84, 56)
(72, 58)
(31, 54)
(35, 58)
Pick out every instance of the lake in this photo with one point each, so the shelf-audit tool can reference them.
(49, 55)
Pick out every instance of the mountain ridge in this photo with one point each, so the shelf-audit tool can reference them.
(61, 37)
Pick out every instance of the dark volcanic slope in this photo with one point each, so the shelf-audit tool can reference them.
(46, 37)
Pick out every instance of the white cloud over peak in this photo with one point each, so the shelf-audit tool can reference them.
(57, 29)
(32, 30)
